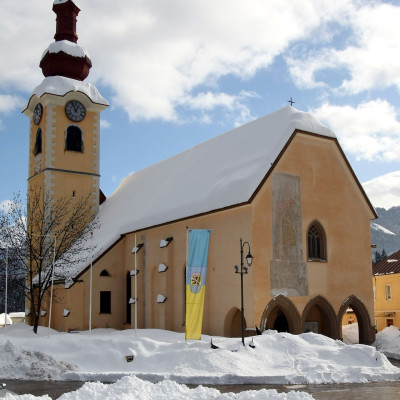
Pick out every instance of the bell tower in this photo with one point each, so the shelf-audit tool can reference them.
(64, 113)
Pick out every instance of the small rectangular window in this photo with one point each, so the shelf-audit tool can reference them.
(374, 290)
(388, 292)
(105, 302)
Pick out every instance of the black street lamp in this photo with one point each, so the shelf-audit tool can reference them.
(243, 270)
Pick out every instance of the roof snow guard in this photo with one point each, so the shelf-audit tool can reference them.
(66, 58)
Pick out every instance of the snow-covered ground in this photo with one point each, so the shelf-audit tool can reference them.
(163, 362)
(388, 342)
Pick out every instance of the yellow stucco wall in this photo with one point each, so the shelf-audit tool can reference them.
(387, 310)
(59, 172)
(328, 193)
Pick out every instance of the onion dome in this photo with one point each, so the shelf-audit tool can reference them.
(65, 57)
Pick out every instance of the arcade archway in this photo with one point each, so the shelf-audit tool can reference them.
(366, 331)
(320, 317)
(281, 315)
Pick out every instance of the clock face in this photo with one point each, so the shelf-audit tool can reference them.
(75, 111)
(37, 113)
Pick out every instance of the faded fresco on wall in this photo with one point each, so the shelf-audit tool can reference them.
(288, 271)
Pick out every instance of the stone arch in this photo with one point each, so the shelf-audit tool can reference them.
(233, 323)
(280, 307)
(321, 311)
(366, 331)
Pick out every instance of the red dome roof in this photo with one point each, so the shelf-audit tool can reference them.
(62, 63)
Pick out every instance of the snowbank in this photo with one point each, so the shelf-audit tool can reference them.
(132, 388)
(388, 342)
(159, 355)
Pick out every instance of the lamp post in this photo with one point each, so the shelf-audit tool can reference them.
(243, 270)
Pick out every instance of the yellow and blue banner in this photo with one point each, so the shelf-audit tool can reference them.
(196, 271)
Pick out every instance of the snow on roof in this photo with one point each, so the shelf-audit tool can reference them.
(221, 172)
(59, 85)
(67, 47)
(62, 1)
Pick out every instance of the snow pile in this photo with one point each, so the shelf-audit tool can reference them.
(32, 364)
(132, 388)
(350, 333)
(158, 355)
(388, 342)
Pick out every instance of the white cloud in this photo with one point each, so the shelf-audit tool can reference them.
(385, 190)
(370, 131)
(154, 54)
(9, 103)
(104, 124)
(370, 58)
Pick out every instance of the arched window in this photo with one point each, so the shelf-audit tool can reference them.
(74, 141)
(38, 142)
(104, 273)
(316, 241)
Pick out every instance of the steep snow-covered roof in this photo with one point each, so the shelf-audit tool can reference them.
(221, 172)
(218, 173)
(60, 85)
(67, 47)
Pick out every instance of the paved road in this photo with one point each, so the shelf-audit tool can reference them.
(353, 391)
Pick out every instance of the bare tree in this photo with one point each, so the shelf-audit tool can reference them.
(45, 237)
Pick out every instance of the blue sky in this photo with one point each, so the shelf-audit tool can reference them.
(177, 73)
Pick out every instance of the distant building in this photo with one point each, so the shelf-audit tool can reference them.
(386, 286)
(282, 183)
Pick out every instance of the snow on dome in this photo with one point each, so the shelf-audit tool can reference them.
(221, 172)
(67, 47)
(59, 85)
(62, 2)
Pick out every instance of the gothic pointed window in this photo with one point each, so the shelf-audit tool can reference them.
(316, 242)
(38, 142)
(74, 140)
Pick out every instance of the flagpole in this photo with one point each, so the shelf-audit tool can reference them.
(91, 283)
(52, 284)
(5, 305)
(135, 291)
(187, 271)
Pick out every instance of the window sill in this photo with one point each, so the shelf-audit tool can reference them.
(316, 260)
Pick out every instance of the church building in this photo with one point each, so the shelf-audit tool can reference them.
(280, 187)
